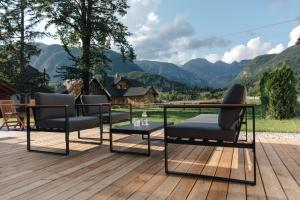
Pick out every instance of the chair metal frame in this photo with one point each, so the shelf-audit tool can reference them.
(66, 129)
(235, 144)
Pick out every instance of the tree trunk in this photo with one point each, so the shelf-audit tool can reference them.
(22, 58)
(86, 44)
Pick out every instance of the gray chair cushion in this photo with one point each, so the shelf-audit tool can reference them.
(203, 126)
(116, 117)
(75, 123)
(228, 117)
(199, 130)
(204, 118)
(54, 99)
(94, 99)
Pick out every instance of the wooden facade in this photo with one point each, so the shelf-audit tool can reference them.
(6, 90)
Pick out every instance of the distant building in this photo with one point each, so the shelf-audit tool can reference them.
(123, 90)
(117, 89)
(6, 90)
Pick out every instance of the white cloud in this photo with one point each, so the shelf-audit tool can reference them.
(253, 48)
(294, 35)
(278, 49)
(152, 18)
(212, 58)
(174, 41)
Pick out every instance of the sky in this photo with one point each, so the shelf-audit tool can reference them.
(177, 31)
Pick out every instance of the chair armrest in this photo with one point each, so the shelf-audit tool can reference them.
(47, 106)
(98, 104)
(214, 105)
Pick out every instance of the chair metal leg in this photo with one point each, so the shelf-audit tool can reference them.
(28, 129)
(28, 138)
(67, 142)
(166, 157)
(101, 135)
(110, 141)
(220, 178)
(79, 137)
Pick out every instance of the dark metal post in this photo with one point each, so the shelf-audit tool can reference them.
(79, 137)
(254, 151)
(149, 146)
(28, 127)
(246, 124)
(130, 107)
(165, 139)
(110, 133)
(101, 124)
(67, 130)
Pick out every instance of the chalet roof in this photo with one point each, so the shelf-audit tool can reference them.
(135, 87)
(137, 91)
(31, 70)
(6, 88)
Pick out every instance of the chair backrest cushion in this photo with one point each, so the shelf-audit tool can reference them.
(54, 99)
(228, 117)
(94, 99)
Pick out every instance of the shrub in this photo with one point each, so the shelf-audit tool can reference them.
(278, 93)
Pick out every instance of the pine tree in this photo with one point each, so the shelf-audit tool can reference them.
(93, 26)
(18, 19)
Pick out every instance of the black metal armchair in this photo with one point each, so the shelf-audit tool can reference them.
(57, 113)
(223, 132)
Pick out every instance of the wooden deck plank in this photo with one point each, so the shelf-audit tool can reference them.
(237, 191)
(288, 183)
(270, 181)
(92, 172)
(218, 189)
(257, 191)
(166, 187)
(287, 160)
(201, 188)
(132, 181)
(185, 185)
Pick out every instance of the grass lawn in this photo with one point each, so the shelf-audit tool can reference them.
(262, 125)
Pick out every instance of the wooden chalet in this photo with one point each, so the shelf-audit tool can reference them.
(123, 90)
(117, 89)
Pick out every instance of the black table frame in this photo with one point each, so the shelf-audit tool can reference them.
(132, 131)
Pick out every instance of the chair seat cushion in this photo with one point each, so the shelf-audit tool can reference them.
(204, 118)
(204, 127)
(75, 123)
(116, 117)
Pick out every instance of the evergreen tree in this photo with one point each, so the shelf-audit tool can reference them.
(93, 26)
(18, 19)
(278, 92)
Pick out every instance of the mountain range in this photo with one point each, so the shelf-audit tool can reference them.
(217, 74)
(171, 72)
(196, 72)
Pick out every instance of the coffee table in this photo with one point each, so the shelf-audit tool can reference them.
(130, 129)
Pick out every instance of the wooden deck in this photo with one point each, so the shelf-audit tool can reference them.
(92, 172)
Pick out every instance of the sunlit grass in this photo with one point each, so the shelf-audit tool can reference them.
(262, 125)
